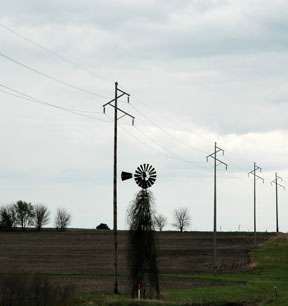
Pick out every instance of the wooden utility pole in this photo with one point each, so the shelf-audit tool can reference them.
(115, 194)
(276, 189)
(253, 172)
(214, 156)
(116, 109)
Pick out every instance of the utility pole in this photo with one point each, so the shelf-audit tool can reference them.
(253, 172)
(118, 94)
(276, 188)
(214, 156)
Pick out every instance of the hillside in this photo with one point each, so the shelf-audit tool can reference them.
(85, 257)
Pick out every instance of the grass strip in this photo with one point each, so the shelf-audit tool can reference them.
(253, 287)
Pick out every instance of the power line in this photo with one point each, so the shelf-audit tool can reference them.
(52, 105)
(148, 145)
(172, 136)
(93, 93)
(157, 112)
(152, 148)
(86, 91)
(236, 165)
(236, 176)
(24, 96)
(52, 78)
(174, 154)
(170, 154)
(54, 53)
(171, 120)
(88, 112)
(167, 133)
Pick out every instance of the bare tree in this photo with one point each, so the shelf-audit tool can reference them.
(41, 216)
(160, 221)
(62, 219)
(182, 219)
(8, 217)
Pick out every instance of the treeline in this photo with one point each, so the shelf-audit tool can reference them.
(182, 220)
(22, 214)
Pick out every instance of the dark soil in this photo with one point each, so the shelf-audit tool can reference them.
(82, 252)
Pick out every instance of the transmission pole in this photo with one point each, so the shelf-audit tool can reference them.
(118, 94)
(276, 188)
(253, 172)
(214, 156)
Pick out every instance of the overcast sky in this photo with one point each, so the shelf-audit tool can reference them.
(198, 72)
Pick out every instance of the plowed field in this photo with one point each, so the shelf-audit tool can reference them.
(85, 258)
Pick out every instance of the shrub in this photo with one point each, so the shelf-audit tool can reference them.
(18, 289)
(102, 226)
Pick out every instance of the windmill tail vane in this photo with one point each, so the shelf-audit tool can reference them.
(126, 176)
(145, 176)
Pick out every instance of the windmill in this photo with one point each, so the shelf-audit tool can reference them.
(141, 250)
(144, 176)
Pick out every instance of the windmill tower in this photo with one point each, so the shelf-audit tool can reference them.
(142, 254)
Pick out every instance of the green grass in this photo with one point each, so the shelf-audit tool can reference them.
(253, 287)
(257, 285)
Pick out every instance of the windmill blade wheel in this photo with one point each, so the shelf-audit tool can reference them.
(145, 176)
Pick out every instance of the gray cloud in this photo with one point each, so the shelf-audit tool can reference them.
(211, 71)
